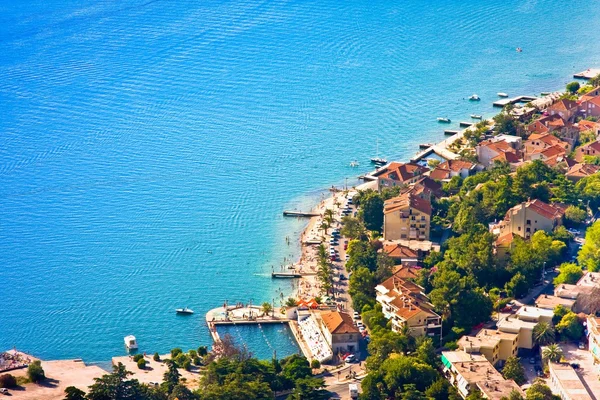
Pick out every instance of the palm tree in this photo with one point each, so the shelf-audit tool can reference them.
(543, 334)
(329, 213)
(291, 302)
(266, 308)
(324, 227)
(552, 353)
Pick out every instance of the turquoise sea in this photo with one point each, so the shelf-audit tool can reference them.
(148, 147)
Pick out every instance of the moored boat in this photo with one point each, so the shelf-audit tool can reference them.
(130, 342)
(474, 97)
(184, 310)
(444, 120)
(502, 94)
(475, 116)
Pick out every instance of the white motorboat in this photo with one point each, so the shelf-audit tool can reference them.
(502, 94)
(475, 116)
(444, 120)
(474, 97)
(184, 311)
(131, 342)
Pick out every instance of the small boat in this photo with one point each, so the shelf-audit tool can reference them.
(474, 97)
(378, 160)
(545, 93)
(354, 164)
(475, 116)
(519, 50)
(184, 310)
(130, 342)
(501, 94)
(444, 120)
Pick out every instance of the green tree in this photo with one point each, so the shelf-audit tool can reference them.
(552, 352)
(410, 392)
(506, 123)
(35, 372)
(517, 286)
(570, 327)
(315, 364)
(403, 370)
(513, 395)
(266, 308)
(170, 377)
(180, 392)
(559, 312)
(371, 207)
(156, 357)
(362, 281)
(543, 334)
(352, 228)
(8, 381)
(141, 363)
(383, 343)
(115, 385)
(589, 190)
(569, 273)
(309, 389)
(575, 215)
(442, 390)
(73, 393)
(589, 255)
(514, 370)
(540, 391)
(426, 351)
(573, 87)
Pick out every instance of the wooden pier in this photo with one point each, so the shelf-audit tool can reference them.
(514, 100)
(300, 214)
(588, 73)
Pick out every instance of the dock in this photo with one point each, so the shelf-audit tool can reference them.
(425, 145)
(290, 275)
(588, 73)
(449, 132)
(300, 214)
(514, 100)
(465, 124)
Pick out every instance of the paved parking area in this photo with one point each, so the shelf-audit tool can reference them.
(587, 371)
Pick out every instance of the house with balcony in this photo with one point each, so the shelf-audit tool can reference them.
(404, 303)
(494, 345)
(406, 217)
(531, 216)
(564, 108)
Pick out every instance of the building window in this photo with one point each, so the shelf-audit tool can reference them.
(528, 222)
(519, 228)
(528, 230)
(403, 236)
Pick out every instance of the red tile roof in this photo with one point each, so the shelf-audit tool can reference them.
(439, 173)
(508, 157)
(400, 171)
(582, 170)
(337, 322)
(406, 201)
(563, 105)
(456, 165)
(396, 250)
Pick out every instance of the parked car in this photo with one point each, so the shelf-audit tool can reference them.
(581, 345)
(359, 324)
(362, 329)
(356, 315)
(575, 365)
(350, 358)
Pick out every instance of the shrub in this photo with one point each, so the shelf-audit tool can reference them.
(156, 357)
(193, 353)
(202, 351)
(180, 359)
(187, 364)
(175, 352)
(138, 357)
(197, 360)
(141, 363)
(315, 364)
(8, 381)
(35, 372)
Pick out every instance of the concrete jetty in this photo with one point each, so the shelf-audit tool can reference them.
(300, 214)
(449, 132)
(514, 100)
(241, 315)
(588, 73)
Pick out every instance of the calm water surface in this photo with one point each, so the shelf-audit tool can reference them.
(147, 148)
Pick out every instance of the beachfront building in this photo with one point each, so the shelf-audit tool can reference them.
(468, 372)
(404, 303)
(398, 174)
(339, 331)
(564, 108)
(496, 346)
(526, 218)
(406, 217)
